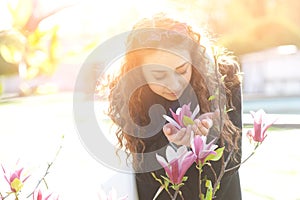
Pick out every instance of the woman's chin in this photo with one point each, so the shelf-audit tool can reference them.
(171, 97)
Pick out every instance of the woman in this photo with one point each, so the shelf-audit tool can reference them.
(167, 65)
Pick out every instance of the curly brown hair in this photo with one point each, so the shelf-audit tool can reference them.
(223, 74)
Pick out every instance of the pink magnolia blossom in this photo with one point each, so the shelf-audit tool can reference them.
(177, 163)
(38, 195)
(178, 117)
(14, 179)
(261, 124)
(201, 149)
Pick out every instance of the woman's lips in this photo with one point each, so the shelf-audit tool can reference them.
(174, 94)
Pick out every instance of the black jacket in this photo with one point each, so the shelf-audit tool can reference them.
(230, 183)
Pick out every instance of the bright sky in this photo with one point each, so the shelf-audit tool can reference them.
(87, 17)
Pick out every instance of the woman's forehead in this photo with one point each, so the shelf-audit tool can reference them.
(165, 58)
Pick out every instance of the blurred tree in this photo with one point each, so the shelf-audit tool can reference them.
(257, 8)
(12, 46)
(30, 48)
(261, 35)
(25, 46)
(249, 25)
(289, 9)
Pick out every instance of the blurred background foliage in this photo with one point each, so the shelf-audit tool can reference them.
(25, 48)
(31, 45)
(40, 34)
(256, 25)
(246, 26)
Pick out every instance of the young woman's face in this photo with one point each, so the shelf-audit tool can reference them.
(167, 74)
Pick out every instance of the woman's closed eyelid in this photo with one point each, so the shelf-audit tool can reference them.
(159, 76)
(162, 76)
(183, 69)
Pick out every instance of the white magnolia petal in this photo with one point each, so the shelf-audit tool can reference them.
(182, 155)
(178, 111)
(252, 113)
(170, 153)
(192, 139)
(172, 121)
(161, 160)
(213, 147)
(204, 138)
(181, 150)
(261, 111)
(196, 111)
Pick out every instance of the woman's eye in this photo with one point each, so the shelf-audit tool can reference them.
(159, 77)
(183, 72)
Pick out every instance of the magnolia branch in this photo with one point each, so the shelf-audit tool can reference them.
(46, 172)
(200, 170)
(253, 152)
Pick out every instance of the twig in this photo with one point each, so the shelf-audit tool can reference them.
(228, 158)
(220, 125)
(16, 195)
(219, 177)
(213, 171)
(222, 172)
(46, 172)
(253, 152)
(180, 193)
(169, 194)
(175, 195)
(4, 197)
(200, 171)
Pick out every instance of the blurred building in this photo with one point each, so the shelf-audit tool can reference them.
(272, 72)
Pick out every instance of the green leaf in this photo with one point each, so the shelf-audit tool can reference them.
(166, 182)
(209, 190)
(223, 77)
(202, 196)
(184, 178)
(177, 187)
(208, 184)
(219, 153)
(157, 179)
(187, 121)
(218, 186)
(166, 185)
(230, 109)
(166, 179)
(212, 97)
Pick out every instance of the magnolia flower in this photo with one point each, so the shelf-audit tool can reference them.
(201, 149)
(177, 163)
(183, 116)
(37, 195)
(112, 195)
(14, 180)
(261, 124)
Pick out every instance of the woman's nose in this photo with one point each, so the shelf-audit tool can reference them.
(176, 82)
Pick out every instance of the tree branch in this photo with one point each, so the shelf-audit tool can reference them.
(46, 172)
